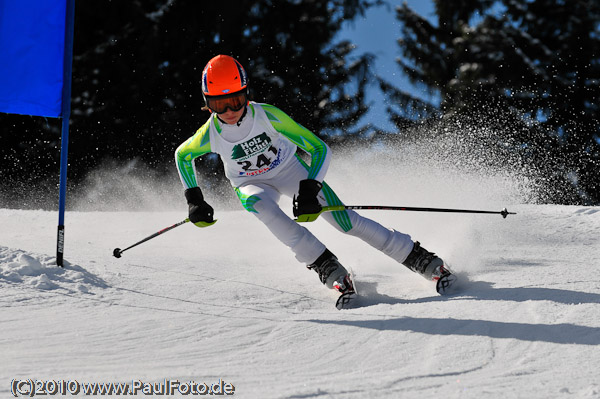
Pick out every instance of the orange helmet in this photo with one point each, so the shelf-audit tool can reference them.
(223, 75)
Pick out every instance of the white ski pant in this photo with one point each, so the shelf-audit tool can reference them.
(261, 197)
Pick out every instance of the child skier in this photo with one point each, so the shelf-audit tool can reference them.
(257, 144)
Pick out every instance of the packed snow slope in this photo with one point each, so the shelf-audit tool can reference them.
(231, 303)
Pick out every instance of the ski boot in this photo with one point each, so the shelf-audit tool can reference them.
(334, 276)
(431, 267)
(328, 268)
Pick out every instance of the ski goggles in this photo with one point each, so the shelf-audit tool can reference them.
(220, 104)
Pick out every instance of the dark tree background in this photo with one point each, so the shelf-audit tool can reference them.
(530, 70)
(137, 70)
(527, 69)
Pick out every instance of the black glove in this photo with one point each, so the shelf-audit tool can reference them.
(307, 201)
(200, 213)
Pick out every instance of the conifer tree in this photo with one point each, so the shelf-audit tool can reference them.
(532, 67)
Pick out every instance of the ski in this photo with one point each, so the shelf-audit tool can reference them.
(348, 299)
(445, 283)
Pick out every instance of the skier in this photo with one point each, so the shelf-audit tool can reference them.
(257, 144)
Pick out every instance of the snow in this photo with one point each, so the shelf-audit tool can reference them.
(230, 303)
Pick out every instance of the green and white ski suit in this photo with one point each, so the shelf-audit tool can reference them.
(259, 155)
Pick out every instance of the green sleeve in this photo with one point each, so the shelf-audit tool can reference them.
(195, 146)
(303, 138)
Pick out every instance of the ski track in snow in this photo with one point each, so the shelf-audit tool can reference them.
(204, 304)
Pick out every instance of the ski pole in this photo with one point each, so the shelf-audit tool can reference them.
(118, 251)
(310, 217)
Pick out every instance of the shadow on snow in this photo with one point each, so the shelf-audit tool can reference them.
(553, 333)
(480, 290)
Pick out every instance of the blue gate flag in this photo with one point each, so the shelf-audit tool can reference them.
(36, 55)
(32, 48)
